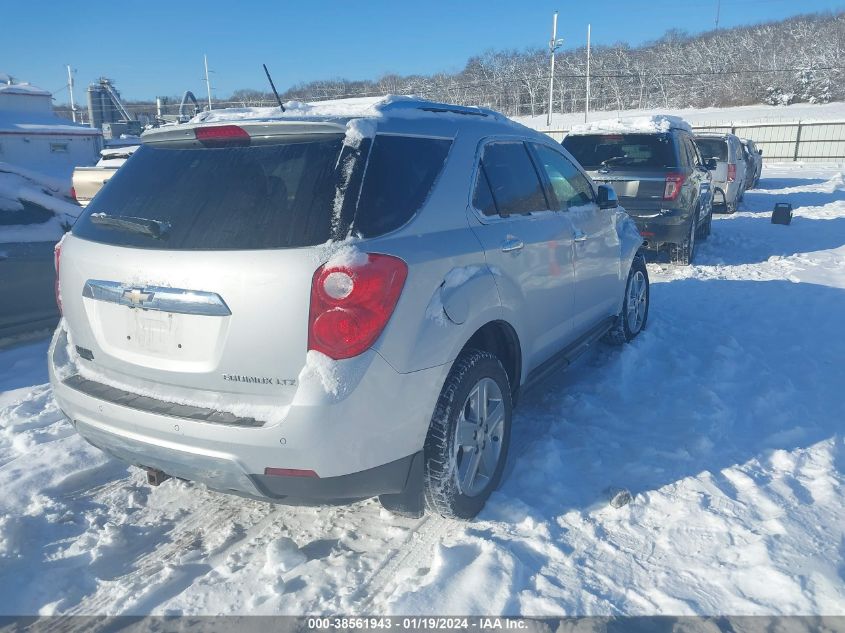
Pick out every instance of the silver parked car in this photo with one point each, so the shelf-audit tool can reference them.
(329, 308)
(728, 173)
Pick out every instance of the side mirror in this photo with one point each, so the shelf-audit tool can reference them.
(606, 197)
(710, 164)
(759, 151)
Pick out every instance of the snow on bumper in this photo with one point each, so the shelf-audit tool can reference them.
(377, 428)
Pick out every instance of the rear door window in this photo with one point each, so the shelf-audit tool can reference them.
(483, 197)
(594, 151)
(401, 172)
(514, 185)
(569, 185)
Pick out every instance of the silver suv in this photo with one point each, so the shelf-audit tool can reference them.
(723, 154)
(336, 302)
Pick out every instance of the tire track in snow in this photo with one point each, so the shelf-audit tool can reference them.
(414, 554)
(187, 533)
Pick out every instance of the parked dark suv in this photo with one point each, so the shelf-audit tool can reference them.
(658, 174)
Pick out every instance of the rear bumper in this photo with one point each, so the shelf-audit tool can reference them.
(658, 229)
(226, 473)
(359, 446)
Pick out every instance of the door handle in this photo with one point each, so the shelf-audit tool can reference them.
(512, 244)
(579, 236)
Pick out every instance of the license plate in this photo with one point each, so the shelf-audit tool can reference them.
(626, 188)
(152, 330)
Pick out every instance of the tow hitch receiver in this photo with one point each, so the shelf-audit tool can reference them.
(156, 477)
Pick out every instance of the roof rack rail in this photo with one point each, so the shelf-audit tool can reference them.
(468, 112)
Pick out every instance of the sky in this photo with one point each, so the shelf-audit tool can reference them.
(157, 49)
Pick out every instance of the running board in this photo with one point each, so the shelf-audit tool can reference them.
(569, 354)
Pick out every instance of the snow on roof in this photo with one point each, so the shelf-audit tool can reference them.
(6, 87)
(26, 122)
(646, 124)
(359, 107)
(119, 152)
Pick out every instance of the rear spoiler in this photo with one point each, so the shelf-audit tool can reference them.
(257, 130)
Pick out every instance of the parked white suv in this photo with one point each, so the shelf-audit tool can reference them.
(337, 302)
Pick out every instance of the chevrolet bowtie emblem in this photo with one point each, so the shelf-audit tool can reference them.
(136, 296)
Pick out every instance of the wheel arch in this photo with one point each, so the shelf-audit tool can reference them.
(500, 339)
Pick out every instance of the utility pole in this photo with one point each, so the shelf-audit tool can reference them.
(587, 104)
(718, 10)
(207, 81)
(554, 44)
(70, 91)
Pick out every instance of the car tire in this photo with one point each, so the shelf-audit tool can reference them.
(682, 254)
(704, 228)
(636, 304)
(464, 431)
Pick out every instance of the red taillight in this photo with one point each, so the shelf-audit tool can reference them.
(57, 255)
(222, 135)
(731, 172)
(350, 305)
(289, 472)
(73, 193)
(672, 189)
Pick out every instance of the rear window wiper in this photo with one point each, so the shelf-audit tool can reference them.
(153, 228)
(612, 159)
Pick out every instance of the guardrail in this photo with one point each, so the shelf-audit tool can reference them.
(792, 141)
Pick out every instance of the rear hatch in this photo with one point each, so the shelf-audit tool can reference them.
(192, 268)
(636, 165)
(717, 149)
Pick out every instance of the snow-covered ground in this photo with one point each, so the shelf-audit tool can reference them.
(705, 116)
(723, 420)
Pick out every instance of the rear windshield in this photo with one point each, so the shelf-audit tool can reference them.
(622, 150)
(281, 195)
(712, 148)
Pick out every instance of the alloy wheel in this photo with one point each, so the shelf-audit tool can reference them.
(636, 302)
(478, 437)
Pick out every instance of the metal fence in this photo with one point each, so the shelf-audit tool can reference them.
(793, 141)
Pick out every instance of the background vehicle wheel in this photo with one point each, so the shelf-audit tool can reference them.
(467, 443)
(704, 228)
(683, 254)
(632, 320)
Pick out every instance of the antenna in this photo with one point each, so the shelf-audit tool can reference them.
(718, 11)
(273, 86)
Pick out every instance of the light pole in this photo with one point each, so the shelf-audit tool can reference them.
(70, 91)
(554, 44)
(207, 80)
(587, 102)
